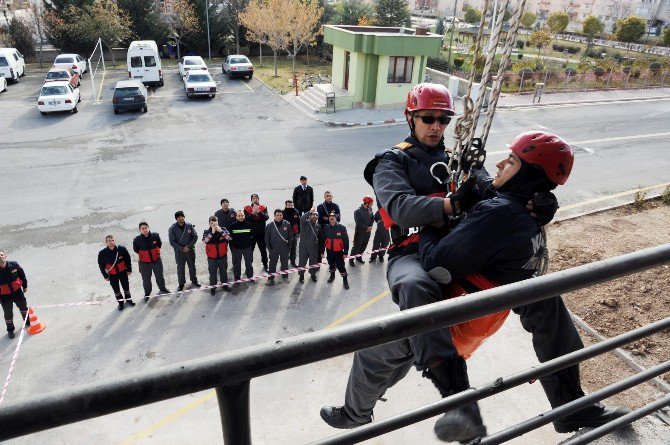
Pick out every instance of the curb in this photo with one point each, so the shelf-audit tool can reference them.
(502, 107)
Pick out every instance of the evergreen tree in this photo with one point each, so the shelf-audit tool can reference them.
(146, 20)
(392, 13)
(439, 28)
(21, 37)
(350, 12)
(219, 29)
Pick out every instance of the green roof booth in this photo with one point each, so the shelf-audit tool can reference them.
(375, 67)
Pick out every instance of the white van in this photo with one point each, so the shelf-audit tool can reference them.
(12, 65)
(144, 62)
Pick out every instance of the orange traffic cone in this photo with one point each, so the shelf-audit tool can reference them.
(35, 325)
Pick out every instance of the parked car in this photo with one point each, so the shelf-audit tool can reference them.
(237, 66)
(58, 96)
(3, 84)
(199, 83)
(144, 62)
(56, 74)
(12, 65)
(73, 61)
(129, 95)
(188, 63)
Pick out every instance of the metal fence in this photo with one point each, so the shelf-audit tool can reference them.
(230, 373)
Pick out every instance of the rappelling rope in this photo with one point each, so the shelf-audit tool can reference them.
(466, 124)
(504, 63)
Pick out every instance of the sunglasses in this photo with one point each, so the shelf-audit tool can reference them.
(430, 120)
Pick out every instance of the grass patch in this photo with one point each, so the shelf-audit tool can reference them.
(283, 82)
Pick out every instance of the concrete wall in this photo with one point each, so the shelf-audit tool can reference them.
(49, 55)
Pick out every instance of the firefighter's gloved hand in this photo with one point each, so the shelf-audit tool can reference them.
(465, 196)
(543, 207)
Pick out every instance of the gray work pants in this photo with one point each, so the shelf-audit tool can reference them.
(281, 253)
(308, 254)
(182, 260)
(219, 265)
(146, 269)
(248, 255)
(361, 240)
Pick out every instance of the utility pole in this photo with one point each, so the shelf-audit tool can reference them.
(451, 35)
(209, 41)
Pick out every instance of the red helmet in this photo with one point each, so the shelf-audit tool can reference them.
(429, 96)
(546, 150)
(368, 199)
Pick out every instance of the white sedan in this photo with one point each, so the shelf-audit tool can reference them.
(199, 83)
(73, 61)
(3, 84)
(190, 63)
(58, 96)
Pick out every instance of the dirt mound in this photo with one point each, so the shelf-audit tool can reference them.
(623, 304)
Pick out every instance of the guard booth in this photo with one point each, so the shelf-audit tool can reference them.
(377, 66)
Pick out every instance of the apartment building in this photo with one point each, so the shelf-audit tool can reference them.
(655, 12)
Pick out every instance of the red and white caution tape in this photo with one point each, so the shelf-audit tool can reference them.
(16, 354)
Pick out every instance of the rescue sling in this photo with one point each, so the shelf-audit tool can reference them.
(217, 250)
(8, 289)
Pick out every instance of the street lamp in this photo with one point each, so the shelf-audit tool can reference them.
(451, 36)
(209, 42)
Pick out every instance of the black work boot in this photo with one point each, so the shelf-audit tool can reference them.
(590, 417)
(313, 278)
(130, 301)
(11, 334)
(120, 305)
(146, 298)
(346, 282)
(351, 263)
(301, 278)
(381, 259)
(461, 424)
(337, 417)
(331, 278)
(212, 291)
(373, 259)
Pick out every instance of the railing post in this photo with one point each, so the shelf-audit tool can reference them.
(234, 409)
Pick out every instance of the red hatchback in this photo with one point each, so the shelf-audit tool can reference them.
(60, 74)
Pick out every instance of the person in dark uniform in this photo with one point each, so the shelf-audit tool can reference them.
(381, 239)
(326, 208)
(364, 219)
(256, 213)
(242, 244)
(278, 238)
(225, 215)
(13, 287)
(147, 245)
(216, 240)
(303, 196)
(292, 216)
(182, 239)
(116, 266)
(310, 243)
(336, 244)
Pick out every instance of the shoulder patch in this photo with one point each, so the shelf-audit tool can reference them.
(403, 146)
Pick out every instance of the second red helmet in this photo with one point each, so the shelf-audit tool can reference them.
(368, 199)
(546, 150)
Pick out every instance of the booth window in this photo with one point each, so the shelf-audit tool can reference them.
(400, 69)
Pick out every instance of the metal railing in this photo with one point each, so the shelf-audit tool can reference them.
(230, 372)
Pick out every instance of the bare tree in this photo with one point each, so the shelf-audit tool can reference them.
(36, 19)
(182, 21)
(303, 25)
(266, 24)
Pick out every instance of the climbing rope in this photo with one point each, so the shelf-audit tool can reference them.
(466, 124)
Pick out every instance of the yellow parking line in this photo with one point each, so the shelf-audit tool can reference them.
(102, 81)
(210, 395)
(165, 420)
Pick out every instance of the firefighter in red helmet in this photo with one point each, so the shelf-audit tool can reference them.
(364, 218)
(410, 183)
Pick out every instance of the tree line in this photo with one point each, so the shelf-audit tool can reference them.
(286, 26)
